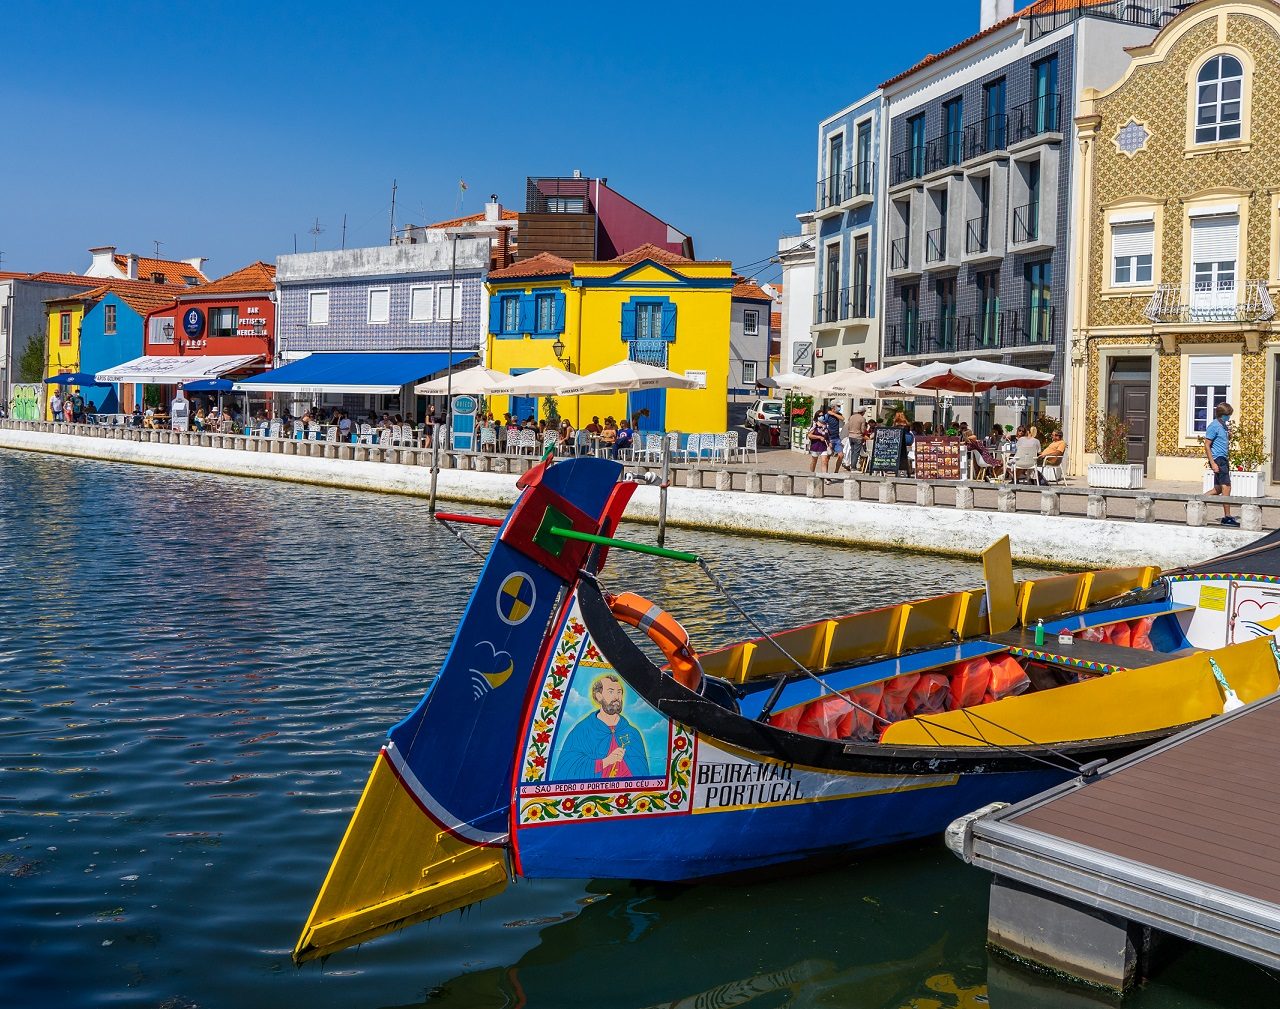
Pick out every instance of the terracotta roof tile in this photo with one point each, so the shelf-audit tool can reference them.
(140, 295)
(544, 264)
(749, 290)
(174, 270)
(258, 276)
(654, 252)
(75, 279)
(507, 215)
(12, 274)
(1040, 7)
(775, 321)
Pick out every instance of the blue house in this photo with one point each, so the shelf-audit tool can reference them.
(845, 325)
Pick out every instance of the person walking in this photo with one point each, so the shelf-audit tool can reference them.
(835, 447)
(853, 440)
(1217, 444)
(819, 441)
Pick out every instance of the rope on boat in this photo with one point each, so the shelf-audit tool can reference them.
(458, 534)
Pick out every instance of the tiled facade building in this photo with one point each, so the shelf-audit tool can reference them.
(1180, 240)
(977, 217)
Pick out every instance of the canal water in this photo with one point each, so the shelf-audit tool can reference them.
(195, 676)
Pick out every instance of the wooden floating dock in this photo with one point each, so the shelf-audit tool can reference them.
(1182, 838)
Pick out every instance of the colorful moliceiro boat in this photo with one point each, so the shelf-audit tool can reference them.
(552, 744)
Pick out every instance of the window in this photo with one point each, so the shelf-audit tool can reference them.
(910, 318)
(1209, 383)
(915, 130)
(64, 329)
(945, 288)
(1045, 85)
(379, 305)
(1218, 101)
(108, 319)
(450, 303)
(835, 157)
(421, 303)
(831, 284)
(1039, 277)
(648, 320)
(1132, 251)
(861, 277)
(223, 321)
(988, 329)
(828, 367)
(318, 308)
(862, 180)
(511, 313)
(160, 331)
(4, 318)
(545, 307)
(1215, 245)
(993, 107)
(953, 127)
(750, 323)
(566, 204)
(748, 372)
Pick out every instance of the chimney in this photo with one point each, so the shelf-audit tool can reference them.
(493, 209)
(198, 261)
(577, 173)
(131, 269)
(994, 11)
(504, 248)
(104, 262)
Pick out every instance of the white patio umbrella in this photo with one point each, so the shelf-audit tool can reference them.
(546, 381)
(472, 382)
(846, 382)
(971, 377)
(627, 376)
(789, 379)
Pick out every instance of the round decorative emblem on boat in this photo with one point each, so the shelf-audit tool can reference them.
(516, 598)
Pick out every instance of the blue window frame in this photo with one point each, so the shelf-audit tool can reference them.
(649, 319)
(510, 313)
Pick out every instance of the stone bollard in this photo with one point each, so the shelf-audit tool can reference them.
(1096, 508)
(446, 460)
(500, 464)
(964, 498)
(813, 487)
(291, 447)
(1007, 500)
(852, 490)
(1197, 512)
(347, 451)
(1144, 509)
(693, 477)
(724, 480)
(483, 464)
(1251, 518)
(1050, 503)
(924, 495)
(784, 484)
(888, 492)
(331, 450)
(754, 483)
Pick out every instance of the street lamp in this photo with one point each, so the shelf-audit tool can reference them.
(557, 348)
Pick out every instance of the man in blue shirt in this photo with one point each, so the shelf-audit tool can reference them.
(1217, 441)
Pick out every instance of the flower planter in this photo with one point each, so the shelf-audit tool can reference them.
(1116, 476)
(1244, 483)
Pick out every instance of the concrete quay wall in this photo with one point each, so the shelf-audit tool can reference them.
(1063, 541)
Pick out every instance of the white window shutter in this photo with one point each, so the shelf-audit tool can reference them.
(1215, 239)
(379, 305)
(1203, 370)
(1133, 240)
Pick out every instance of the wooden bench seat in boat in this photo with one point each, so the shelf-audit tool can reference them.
(1022, 642)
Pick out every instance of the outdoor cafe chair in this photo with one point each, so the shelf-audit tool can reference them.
(488, 439)
(548, 441)
(277, 428)
(331, 435)
(712, 445)
(692, 448)
(365, 437)
(750, 448)
(730, 445)
(652, 451)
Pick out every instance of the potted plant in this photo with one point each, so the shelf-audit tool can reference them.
(799, 415)
(1246, 455)
(1113, 468)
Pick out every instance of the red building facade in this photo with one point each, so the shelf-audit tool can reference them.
(235, 314)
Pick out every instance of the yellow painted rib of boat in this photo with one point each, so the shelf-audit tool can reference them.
(1146, 699)
(395, 867)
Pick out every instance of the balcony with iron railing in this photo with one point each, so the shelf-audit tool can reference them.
(843, 305)
(944, 334)
(977, 239)
(907, 165)
(1032, 119)
(1245, 301)
(986, 136)
(982, 331)
(549, 196)
(1030, 326)
(902, 339)
(1026, 223)
(851, 186)
(1145, 13)
(935, 245)
(900, 255)
(943, 152)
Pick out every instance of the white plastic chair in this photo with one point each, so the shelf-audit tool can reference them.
(712, 446)
(750, 448)
(365, 435)
(488, 439)
(331, 435)
(276, 428)
(692, 448)
(652, 451)
(730, 445)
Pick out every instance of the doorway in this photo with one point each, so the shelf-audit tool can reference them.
(1129, 398)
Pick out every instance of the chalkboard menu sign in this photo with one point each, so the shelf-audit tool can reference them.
(887, 449)
(937, 457)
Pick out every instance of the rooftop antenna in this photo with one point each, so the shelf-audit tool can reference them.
(1, 257)
(344, 231)
(392, 238)
(316, 231)
(157, 243)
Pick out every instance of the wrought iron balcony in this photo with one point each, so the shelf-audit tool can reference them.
(1026, 224)
(944, 334)
(906, 165)
(846, 185)
(986, 136)
(903, 338)
(935, 245)
(832, 190)
(838, 306)
(983, 331)
(1224, 301)
(900, 254)
(1147, 13)
(943, 152)
(976, 238)
(861, 179)
(1030, 325)
(1040, 115)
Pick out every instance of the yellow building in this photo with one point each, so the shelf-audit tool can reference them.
(1179, 244)
(64, 318)
(649, 305)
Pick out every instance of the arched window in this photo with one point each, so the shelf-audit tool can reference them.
(1218, 100)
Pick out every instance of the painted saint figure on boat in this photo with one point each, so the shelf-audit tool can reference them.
(604, 744)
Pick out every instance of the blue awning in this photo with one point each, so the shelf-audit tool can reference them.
(376, 374)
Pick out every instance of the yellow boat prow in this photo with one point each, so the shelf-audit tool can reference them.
(395, 867)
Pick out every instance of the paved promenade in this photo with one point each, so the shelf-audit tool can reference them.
(959, 519)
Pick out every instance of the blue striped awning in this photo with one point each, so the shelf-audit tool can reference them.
(375, 374)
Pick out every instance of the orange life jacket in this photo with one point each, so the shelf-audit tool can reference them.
(823, 717)
(1140, 633)
(1120, 634)
(788, 719)
(1007, 678)
(893, 706)
(665, 631)
(969, 681)
(857, 723)
(930, 694)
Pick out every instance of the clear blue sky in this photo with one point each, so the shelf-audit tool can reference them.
(225, 128)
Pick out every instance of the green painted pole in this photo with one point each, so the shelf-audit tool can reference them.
(640, 548)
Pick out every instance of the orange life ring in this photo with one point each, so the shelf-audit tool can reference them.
(663, 630)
